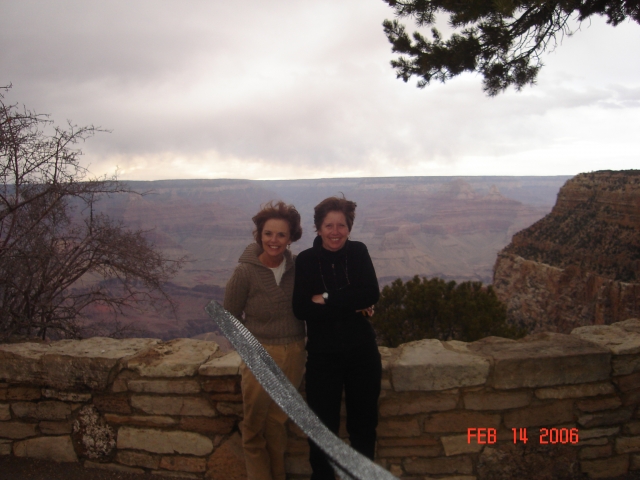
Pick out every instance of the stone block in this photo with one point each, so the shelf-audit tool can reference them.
(157, 441)
(230, 408)
(598, 432)
(627, 444)
(229, 384)
(166, 405)
(181, 357)
(416, 402)
(75, 397)
(460, 421)
(184, 464)
(631, 399)
(406, 452)
(595, 442)
(629, 325)
(458, 444)
(5, 447)
(606, 467)
(112, 403)
(226, 397)
(625, 364)
(497, 400)
(17, 430)
(397, 470)
(398, 428)
(227, 462)
(137, 459)
(589, 453)
(545, 359)
(94, 438)
(170, 474)
(530, 461)
(443, 465)
(68, 364)
(408, 441)
(617, 340)
(47, 410)
(20, 393)
(628, 382)
(5, 412)
(549, 415)
(58, 449)
(119, 385)
(55, 428)
(164, 386)
(632, 428)
(140, 420)
(604, 419)
(228, 364)
(597, 404)
(112, 467)
(575, 391)
(426, 365)
(220, 425)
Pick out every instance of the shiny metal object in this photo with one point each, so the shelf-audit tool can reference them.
(346, 462)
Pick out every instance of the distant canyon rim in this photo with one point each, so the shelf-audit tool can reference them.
(448, 227)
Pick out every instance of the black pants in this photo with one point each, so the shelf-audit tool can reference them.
(358, 372)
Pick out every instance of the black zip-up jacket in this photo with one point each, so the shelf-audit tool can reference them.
(350, 280)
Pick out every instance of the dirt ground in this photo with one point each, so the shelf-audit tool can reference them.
(12, 468)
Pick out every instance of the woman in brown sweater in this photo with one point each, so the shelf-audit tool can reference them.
(259, 294)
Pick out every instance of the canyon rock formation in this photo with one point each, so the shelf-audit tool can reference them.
(450, 227)
(579, 265)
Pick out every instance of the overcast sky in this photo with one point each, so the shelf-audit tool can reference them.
(268, 89)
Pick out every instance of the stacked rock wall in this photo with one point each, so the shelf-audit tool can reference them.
(448, 409)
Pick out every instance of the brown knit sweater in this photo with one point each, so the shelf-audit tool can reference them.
(267, 309)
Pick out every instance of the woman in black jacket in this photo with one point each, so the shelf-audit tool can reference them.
(334, 292)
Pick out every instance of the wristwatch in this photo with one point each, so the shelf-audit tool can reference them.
(325, 295)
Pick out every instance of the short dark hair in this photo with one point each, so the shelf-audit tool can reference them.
(334, 204)
(279, 210)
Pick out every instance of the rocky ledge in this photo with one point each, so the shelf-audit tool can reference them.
(579, 265)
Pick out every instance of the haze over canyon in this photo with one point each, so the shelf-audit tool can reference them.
(450, 227)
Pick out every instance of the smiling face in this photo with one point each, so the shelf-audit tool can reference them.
(334, 231)
(275, 237)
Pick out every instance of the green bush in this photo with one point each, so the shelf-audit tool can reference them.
(434, 308)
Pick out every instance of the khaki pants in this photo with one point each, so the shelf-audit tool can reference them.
(264, 433)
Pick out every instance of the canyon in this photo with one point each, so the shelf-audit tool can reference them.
(450, 227)
(580, 264)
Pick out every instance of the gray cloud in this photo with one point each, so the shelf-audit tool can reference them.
(298, 86)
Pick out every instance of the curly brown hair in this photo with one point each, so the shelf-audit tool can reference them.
(279, 210)
(334, 204)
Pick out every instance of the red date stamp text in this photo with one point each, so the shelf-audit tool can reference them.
(545, 436)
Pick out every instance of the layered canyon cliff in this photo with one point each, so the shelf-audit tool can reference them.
(580, 264)
(451, 227)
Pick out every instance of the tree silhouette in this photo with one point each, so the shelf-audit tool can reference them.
(500, 39)
(51, 241)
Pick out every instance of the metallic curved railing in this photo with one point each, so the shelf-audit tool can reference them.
(346, 462)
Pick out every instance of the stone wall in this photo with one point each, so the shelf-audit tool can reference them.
(448, 409)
